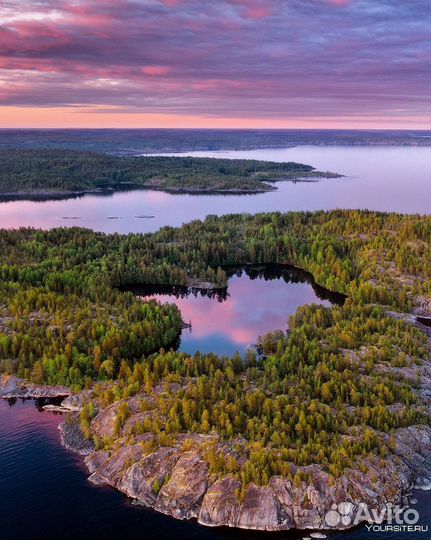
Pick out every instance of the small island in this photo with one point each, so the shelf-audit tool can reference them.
(42, 174)
(335, 410)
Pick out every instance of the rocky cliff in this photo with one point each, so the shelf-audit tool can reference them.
(176, 480)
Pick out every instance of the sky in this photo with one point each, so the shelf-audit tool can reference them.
(215, 63)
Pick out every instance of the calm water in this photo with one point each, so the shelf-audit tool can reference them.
(45, 495)
(258, 300)
(44, 492)
(379, 178)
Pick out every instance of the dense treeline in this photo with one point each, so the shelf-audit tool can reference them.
(61, 287)
(71, 171)
(319, 395)
(67, 339)
(372, 257)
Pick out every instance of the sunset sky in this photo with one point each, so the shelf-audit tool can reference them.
(215, 63)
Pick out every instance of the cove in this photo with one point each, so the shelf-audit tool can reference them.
(258, 299)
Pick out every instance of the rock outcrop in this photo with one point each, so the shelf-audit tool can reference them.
(177, 482)
(176, 479)
(72, 437)
(12, 387)
(181, 496)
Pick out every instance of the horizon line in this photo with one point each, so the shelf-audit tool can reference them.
(164, 128)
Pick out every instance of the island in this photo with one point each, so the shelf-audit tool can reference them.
(55, 173)
(335, 411)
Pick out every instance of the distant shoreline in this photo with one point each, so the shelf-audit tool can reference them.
(138, 141)
(37, 174)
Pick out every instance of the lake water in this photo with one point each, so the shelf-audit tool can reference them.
(258, 300)
(44, 492)
(383, 178)
(45, 495)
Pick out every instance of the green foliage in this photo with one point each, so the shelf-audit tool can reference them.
(46, 171)
(311, 401)
(63, 318)
(321, 394)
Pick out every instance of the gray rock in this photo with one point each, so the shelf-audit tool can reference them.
(259, 510)
(12, 387)
(220, 505)
(95, 460)
(72, 437)
(182, 495)
(144, 479)
(112, 469)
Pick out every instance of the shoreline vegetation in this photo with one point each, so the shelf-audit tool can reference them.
(45, 174)
(334, 405)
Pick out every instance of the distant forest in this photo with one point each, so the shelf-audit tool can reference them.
(130, 142)
(67, 171)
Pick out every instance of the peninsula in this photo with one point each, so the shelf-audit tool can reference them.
(62, 173)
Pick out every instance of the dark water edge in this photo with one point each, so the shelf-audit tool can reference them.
(53, 195)
(267, 271)
(290, 274)
(426, 321)
(45, 494)
(258, 299)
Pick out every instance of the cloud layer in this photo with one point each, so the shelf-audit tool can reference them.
(238, 59)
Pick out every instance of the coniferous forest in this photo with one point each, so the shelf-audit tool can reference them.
(215, 269)
(57, 172)
(67, 317)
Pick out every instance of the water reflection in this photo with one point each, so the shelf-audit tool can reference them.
(39, 403)
(258, 299)
(378, 178)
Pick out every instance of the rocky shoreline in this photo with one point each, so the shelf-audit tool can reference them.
(176, 481)
(14, 388)
(72, 437)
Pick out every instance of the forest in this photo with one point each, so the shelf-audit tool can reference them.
(66, 317)
(68, 171)
(322, 394)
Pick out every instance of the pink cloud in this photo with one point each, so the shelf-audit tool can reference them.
(171, 3)
(258, 12)
(255, 9)
(227, 59)
(155, 70)
(339, 2)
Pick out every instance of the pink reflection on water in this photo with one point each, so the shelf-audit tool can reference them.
(375, 179)
(253, 307)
